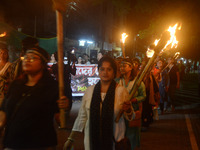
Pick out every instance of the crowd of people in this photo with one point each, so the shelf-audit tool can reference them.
(156, 91)
(30, 103)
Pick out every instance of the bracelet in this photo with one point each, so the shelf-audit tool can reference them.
(70, 139)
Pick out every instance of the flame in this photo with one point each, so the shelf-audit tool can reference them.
(3, 34)
(177, 54)
(150, 53)
(156, 42)
(124, 36)
(173, 42)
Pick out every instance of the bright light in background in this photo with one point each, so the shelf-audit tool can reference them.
(73, 51)
(90, 42)
(81, 43)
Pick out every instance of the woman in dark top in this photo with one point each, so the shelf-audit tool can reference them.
(30, 106)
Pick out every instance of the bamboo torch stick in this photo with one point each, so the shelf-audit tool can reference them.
(59, 17)
(144, 71)
(59, 6)
(168, 39)
(175, 57)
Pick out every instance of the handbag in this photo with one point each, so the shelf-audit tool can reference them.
(138, 115)
(123, 144)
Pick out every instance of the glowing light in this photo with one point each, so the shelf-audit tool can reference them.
(82, 43)
(3, 34)
(124, 36)
(173, 42)
(150, 53)
(177, 54)
(156, 42)
(22, 58)
(89, 42)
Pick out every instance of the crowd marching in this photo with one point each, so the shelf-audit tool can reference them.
(29, 100)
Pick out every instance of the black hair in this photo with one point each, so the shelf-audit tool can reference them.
(111, 61)
(133, 73)
(86, 55)
(29, 42)
(137, 60)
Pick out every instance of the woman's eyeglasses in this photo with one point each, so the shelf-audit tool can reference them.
(30, 58)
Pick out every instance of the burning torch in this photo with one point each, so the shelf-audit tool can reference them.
(167, 41)
(124, 36)
(3, 34)
(176, 55)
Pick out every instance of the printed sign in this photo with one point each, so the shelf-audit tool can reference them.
(86, 75)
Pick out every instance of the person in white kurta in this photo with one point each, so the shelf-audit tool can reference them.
(83, 120)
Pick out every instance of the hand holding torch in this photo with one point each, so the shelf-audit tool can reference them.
(162, 44)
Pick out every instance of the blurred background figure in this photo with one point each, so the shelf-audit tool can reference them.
(161, 79)
(173, 82)
(93, 60)
(181, 68)
(136, 65)
(100, 55)
(5, 73)
(79, 60)
(118, 63)
(69, 69)
(86, 59)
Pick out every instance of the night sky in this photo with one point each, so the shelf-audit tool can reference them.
(142, 14)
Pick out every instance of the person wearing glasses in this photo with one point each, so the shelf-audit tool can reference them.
(16, 67)
(28, 110)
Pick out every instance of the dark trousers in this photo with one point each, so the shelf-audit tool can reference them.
(171, 94)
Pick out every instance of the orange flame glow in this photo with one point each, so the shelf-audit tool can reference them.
(156, 42)
(3, 34)
(173, 42)
(150, 53)
(177, 54)
(124, 36)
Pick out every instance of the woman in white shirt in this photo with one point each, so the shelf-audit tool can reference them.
(100, 106)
